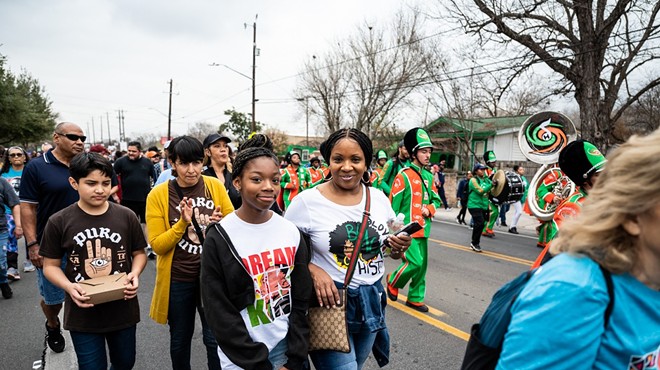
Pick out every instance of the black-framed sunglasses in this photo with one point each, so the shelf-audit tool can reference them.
(14, 155)
(74, 137)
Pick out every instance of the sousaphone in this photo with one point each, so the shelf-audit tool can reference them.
(541, 138)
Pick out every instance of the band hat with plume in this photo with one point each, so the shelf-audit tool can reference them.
(489, 156)
(580, 159)
(416, 139)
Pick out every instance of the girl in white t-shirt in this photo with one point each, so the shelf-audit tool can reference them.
(331, 214)
(255, 279)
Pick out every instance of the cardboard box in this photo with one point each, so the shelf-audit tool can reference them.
(104, 289)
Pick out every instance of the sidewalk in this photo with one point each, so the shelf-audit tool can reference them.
(526, 225)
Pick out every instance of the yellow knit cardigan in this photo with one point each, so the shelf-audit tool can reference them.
(163, 238)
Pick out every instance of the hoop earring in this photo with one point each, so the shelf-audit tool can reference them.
(366, 177)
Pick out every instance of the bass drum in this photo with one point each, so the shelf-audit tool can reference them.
(510, 187)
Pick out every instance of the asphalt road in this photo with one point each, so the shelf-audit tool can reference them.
(460, 284)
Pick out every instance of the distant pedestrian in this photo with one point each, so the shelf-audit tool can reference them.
(462, 192)
(8, 199)
(12, 169)
(504, 208)
(100, 239)
(518, 206)
(137, 174)
(393, 166)
(218, 164)
(479, 187)
(439, 180)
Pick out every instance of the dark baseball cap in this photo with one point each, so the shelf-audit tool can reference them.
(213, 138)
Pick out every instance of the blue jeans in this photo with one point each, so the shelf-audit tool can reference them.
(361, 344)
(184, 301)
(277, 355)
(90, 349)
(4, 239)
(51, 294)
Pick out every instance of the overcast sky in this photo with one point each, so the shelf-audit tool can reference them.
(99, 56)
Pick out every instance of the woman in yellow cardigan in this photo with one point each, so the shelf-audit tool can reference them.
(178, 212)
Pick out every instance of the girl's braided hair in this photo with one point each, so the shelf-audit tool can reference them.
(257, 146)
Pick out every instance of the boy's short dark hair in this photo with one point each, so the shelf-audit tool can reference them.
(85, 163)
(135, 144)
(516, 167)
(186, 149)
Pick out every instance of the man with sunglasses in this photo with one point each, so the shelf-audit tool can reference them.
(45, 190)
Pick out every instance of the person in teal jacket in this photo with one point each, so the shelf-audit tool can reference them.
(479, 187)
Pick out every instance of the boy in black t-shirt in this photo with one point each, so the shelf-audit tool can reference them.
(99, 239)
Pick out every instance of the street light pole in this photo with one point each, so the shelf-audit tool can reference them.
(169, 115)
(306, 99)
(254, 68)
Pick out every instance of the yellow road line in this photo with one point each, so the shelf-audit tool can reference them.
(433, 311)
(486, 253)
(431, 321)
(435, 322)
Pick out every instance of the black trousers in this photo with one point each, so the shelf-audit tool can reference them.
(461, 213)
(479, 218)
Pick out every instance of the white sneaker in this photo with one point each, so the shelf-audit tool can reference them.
(12, 274)
(28, 266)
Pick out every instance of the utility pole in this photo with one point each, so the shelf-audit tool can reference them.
(101, 123)
(254, 70)
(93, 132)
(107, 120)
(123, 126)
(169, 115)
(120, 118)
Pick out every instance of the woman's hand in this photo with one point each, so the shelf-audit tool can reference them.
(324, 286)
(217, 214)
(186, 209)
(399, 244)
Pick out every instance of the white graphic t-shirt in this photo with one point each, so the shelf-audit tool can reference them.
(333, 231)
(268, 252)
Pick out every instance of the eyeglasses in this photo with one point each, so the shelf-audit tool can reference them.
(13, 155)
(74, 137)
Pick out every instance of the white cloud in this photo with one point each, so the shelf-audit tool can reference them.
(98, 56)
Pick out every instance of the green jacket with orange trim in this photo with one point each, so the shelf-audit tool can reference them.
(408, 195)
(569, 208)
(316, 176)
(478, 192)
(293, 181)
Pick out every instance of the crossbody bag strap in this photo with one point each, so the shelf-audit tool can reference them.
(358, 244)
(198, 229)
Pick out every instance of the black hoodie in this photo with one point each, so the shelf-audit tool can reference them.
(227, 289)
